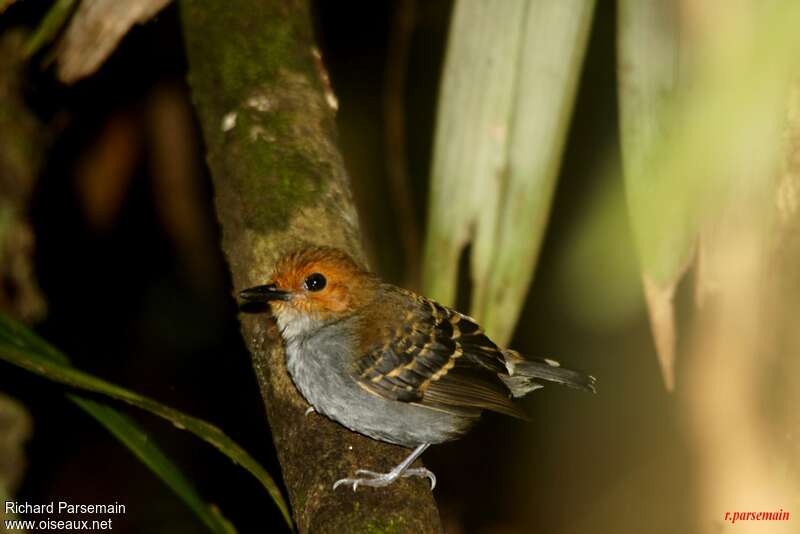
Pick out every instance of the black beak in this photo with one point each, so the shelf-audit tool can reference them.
(263, 294)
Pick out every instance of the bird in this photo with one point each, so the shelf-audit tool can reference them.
(390, 364)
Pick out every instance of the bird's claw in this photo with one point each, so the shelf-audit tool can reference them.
(421, 472)
(379, 480)
(309, 411)
(346, 481)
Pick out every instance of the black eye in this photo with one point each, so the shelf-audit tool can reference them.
(314, 282)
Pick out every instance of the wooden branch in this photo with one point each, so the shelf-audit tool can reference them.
(267, 118)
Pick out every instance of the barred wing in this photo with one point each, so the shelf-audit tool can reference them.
(439, 359)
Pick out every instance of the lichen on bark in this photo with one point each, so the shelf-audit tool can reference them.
(280, 182)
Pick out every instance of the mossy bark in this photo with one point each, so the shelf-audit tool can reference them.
(265, 111)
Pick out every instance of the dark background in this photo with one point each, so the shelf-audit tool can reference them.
(127, 255)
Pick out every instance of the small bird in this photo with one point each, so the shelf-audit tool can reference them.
(391, 364)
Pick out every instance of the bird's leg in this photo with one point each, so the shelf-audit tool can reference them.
(384, 479)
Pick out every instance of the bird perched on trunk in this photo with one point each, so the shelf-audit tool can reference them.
(391, 364)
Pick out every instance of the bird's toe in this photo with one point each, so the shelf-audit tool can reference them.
(379, 480)
(347, 482)
(369, 473)
(421, 472)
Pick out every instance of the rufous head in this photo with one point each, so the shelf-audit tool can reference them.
(312, 286)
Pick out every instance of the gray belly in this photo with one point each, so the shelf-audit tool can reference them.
(319, 366)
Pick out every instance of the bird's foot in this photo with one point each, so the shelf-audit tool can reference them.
(309, 411)
(379, 480)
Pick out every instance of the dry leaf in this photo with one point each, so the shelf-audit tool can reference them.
(94, 32)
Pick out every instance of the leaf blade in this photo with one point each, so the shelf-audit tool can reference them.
(470, 139)
(504, 108)
(648, 46)
(552, 51)
(21, 347)
(127, 431)
(50, 26)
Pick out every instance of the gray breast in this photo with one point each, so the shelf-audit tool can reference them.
(319, 363)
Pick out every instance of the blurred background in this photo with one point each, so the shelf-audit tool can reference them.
(136, 291)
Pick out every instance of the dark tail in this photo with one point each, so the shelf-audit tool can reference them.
(523, 373)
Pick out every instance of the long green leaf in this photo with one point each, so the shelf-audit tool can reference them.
(648, 69)
(124, 429)
(23, 348)
(138, 442)
(550, 59)
(504, 107)
(471, 127)
(695, 149)
(53, 22)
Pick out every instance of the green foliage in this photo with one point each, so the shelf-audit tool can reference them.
(648, 50)
(648, 77)
(701, 138)
(702, 97)
(23, 348)
(52, 23)
(142, 446)
(504, 107)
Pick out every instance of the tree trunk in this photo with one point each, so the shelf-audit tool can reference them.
(267, 116)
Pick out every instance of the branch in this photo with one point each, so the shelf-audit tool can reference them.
(279, 180)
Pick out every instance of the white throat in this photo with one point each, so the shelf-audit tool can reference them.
(293, 324)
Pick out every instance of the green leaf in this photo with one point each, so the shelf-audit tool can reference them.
(21, 347)
(124, 429)
(505, 104)
(139, 443)
(665, 238)
(52, 23)
(698, 149)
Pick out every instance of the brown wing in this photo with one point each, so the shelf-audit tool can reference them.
(437, 358)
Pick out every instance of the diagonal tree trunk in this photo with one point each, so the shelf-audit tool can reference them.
(267, 116)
